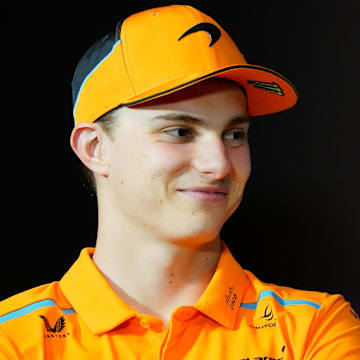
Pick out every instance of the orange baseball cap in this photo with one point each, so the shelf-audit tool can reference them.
(162, 50)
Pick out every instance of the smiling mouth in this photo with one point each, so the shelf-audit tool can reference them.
(208, 189)
(205, 195)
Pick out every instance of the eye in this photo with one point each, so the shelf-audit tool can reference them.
(180, 132)
(236, 136)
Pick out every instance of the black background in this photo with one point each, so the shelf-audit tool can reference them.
(299, 222)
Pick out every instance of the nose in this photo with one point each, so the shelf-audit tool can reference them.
(211, 158)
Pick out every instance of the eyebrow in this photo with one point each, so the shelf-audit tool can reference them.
(197, 120)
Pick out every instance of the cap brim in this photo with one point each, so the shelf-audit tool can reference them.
(267, 91)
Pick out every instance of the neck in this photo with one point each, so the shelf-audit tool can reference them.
(154, 276)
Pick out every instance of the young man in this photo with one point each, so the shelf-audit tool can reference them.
(162, 109)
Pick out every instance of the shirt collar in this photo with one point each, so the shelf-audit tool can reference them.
(222, 297)
(92, 297)
(102, 309)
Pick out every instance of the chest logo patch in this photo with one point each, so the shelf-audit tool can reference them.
(268, 316)
(57, 330)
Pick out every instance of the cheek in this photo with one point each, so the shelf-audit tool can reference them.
(168, 157)
(242, 164)
(150, 165)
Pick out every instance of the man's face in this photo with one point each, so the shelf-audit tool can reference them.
(163, 151)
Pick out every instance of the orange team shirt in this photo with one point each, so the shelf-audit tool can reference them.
(237, 317)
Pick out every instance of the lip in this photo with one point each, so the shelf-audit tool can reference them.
(213, 193)
(207, 189)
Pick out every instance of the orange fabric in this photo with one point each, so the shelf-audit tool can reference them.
(149, 61)
(237, 317)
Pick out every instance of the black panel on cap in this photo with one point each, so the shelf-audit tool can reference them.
(93, 56)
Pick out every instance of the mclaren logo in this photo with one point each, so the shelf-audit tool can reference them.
(212, 30)
(272, 87)
(268, 314)
(57, 329)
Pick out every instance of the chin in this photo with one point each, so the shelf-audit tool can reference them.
(195, 234)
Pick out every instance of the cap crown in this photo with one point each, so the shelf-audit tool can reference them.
(158, 51)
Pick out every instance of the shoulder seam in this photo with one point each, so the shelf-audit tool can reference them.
(30, 308)
(285, 302)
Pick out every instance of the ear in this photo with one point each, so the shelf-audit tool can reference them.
(87, 141)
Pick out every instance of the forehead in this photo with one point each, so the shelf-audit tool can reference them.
(209, 99)
(212, 87)
(213, 102)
